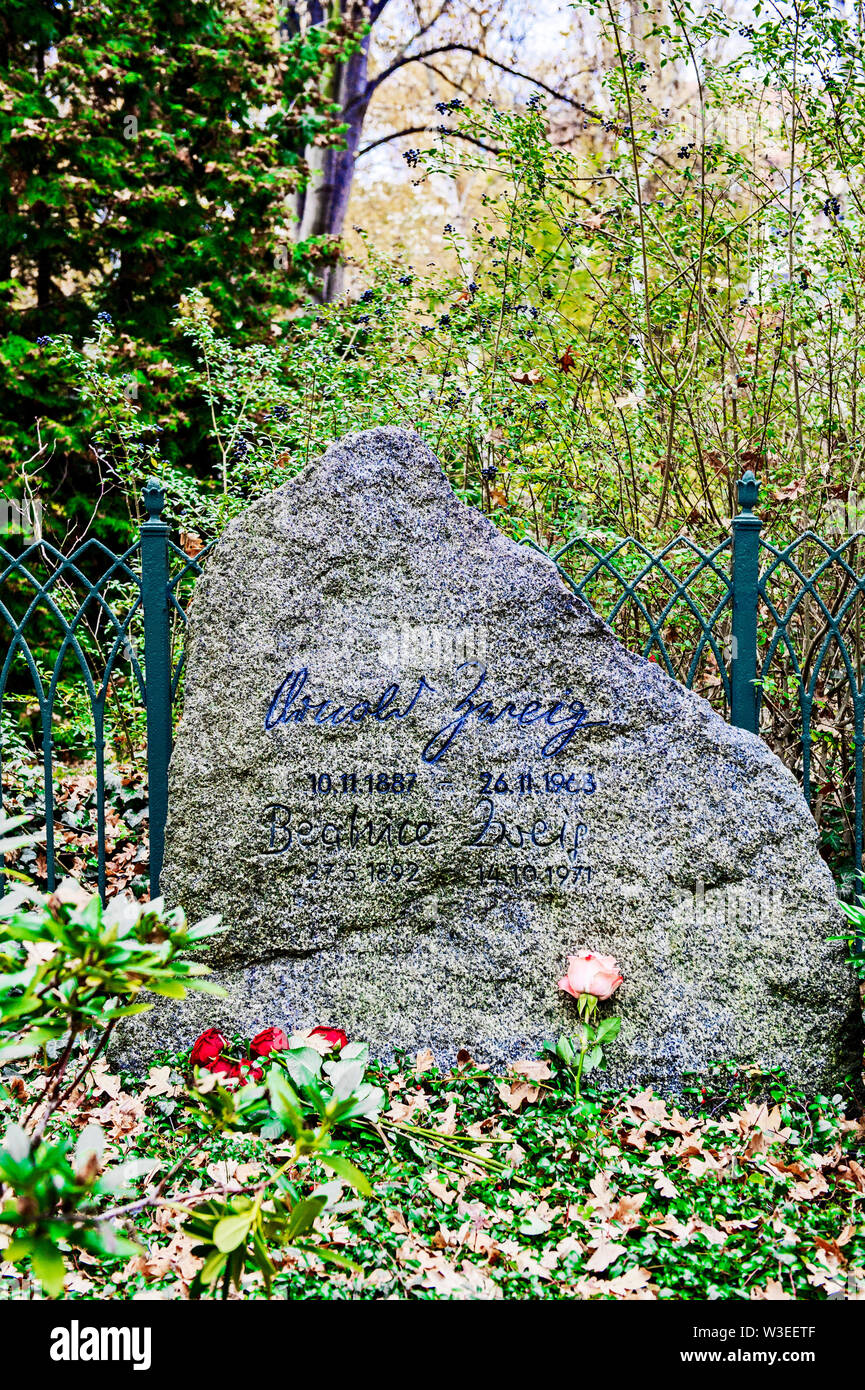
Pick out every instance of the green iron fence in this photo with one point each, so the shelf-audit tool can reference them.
(772, 636)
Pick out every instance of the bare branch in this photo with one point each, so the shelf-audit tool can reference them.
(420, 130)
(476, 53)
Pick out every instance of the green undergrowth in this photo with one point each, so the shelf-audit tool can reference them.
(491, 1186)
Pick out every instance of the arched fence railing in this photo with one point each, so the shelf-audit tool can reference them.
(772, 636)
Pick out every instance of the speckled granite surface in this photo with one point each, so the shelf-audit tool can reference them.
(415, 773)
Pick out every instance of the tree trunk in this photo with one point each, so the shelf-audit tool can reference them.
(324, 202)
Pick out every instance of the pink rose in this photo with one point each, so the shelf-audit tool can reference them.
(591, 974)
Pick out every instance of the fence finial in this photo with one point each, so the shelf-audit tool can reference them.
(153, 495)
(748, 491)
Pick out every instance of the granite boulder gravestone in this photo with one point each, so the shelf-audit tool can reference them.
(415, 772)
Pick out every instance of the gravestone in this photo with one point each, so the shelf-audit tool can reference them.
(415, 773)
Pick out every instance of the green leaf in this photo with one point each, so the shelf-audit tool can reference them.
(284, 1101)
(18, 1249)
(213, 1267)
(337, 1164)
(345, 1077)
(304, 1215)
(232, 1231)
(171, 989)
(303, 1064)
(608, 1029)
(127, 1011)
(207, 987)
(330, 1257)
(106, 1240)
(48, 1267)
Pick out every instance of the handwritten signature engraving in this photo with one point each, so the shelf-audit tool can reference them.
(567, 716)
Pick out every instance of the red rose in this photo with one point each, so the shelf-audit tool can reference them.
(223, 1067)
(335, 1036)
(250, 1072)
(267, 1041)
(207, 1047)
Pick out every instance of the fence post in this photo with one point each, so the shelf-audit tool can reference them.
(745, 576)
(157, 669)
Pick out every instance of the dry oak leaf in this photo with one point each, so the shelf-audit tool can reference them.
(122, 1116)
(853, 1172)
(698, 1167)
(534, 1070)
(531, 378)
(447, 1123)
(403, 1111)
(605, 1255)
(665, 1187)
(228, 1172)
(672, 1226)
(517, 1093)
(570, 1246)
(440, 1189)
(481, 1243)
(306, 1038)
(191, 543)
(484, 1129)
(679, 1124)
(159, 1084)
(424, 1062)
(634, 1282)
(807, 1191)
(636, 1138)
(739, 1225)
(652, 1107)
(831, 1249)
(603, 1195)
(710, 1233)
(774, 1292)
(176, 1257)
(791, 491)
(629, 1210)
(104, 1081)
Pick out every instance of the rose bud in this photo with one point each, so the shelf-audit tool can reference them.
(267, 1041)
(591, 974)
(206, 1047)
(335, 1036)
(250, 1071)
